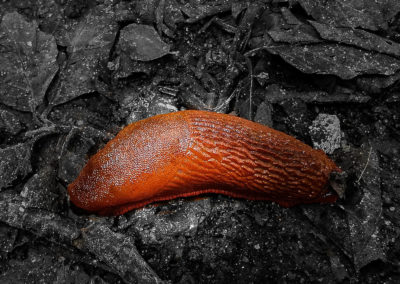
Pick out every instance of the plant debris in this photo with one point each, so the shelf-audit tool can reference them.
(28, 59)
(340, 60)
(141, 42)
(15, 163)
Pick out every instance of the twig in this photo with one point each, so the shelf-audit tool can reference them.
(366, 164)
(250, 67)
(227, 101)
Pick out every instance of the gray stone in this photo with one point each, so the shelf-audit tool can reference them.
(325, 132)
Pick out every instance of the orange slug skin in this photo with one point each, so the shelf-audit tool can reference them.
(189, 153)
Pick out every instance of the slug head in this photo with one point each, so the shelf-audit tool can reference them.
(133, 166)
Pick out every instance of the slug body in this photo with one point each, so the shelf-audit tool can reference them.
(189, 153)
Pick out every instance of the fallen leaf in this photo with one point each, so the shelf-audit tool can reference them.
(371, 15)
(289, 29)
(359, 38)
(9, 122)
(15, 162)
(343, 61)
(196, 12)
(172, 14)
(89, 44)
(122, 256)
(365, 217)
(28, 62)
(141, 42)
(293, 36)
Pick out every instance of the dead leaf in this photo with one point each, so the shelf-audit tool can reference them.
(141, 42)
(359, 38)
(15, 162)
(343, 61)
(365, 217)
(28, 62)
(371, 15)
(89, 44)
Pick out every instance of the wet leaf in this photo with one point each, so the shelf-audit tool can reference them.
(277, 94)
(359, 38)
(371, 15)
(15, 162)
(365, 217)
(8, 235)
(289, 29)
(118, 251)
(145, 10)
(163, 228)
(343, 61)
(41, 265)
(358, 229)
(141, 42)
(40, 191)
(196, 12)
(9, 122)
(293, 36)
(124, 66)
(75, 150)
(375, 85)
(28, 62)
(40, 222)
(172, 14)
(89, 44)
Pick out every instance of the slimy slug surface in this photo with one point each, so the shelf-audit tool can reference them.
(189, 153)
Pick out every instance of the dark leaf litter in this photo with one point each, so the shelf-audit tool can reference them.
(88, 43)
(75, 72)
(28, 60)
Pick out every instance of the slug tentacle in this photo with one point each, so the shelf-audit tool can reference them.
(189, 153)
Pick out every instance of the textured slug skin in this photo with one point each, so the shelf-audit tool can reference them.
(189, 153)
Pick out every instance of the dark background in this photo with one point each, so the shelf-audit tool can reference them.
(73, 73)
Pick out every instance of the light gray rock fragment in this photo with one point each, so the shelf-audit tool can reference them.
(325, 132)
